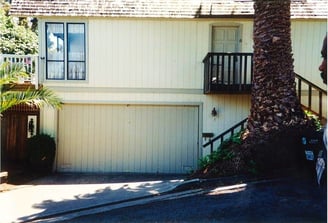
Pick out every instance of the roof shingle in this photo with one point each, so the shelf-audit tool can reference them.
(158, 8)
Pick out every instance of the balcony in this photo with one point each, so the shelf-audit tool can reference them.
(228, 73)
(30, 66)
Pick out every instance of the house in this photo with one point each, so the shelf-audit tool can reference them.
(131, 76)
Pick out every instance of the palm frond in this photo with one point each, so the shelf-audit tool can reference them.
(11, 72)
(39, 98)
(9, 97)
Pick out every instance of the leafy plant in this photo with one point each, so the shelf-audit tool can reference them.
(9, 74)
(252, 167)
(314, 118)
(15, 38)
(222, 153)
(41, 151)
(236, 138)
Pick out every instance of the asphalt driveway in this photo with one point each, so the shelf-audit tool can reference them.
(164, 198)
(288, 200)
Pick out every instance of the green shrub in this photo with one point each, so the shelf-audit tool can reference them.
(222, 152)
(314, 118)
(41, 151)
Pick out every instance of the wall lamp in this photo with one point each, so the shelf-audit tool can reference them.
(214, 112)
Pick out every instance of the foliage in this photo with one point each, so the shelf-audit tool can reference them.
(15, 38)
(252, 168)
(222, 153)
(41, 151)
(314, 118)
(9, 74)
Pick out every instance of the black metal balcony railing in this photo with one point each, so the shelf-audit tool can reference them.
(228, 72)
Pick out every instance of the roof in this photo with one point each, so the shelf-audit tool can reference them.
(157, 8)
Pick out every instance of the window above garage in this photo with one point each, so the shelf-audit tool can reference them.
(65, 51)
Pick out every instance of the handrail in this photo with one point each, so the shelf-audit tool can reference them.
(299, 90)
(310, 83)
(240, 124)
(311, 87)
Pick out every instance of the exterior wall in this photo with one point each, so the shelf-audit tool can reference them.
(231, 108)
(149, 53)
(157, 61)
(168, 53)
(307, 38)
(151, 62)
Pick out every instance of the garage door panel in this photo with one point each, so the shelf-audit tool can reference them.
(127, 138)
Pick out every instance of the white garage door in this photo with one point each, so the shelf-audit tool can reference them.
(128, 138)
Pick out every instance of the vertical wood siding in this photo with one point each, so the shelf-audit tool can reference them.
(128, 138)
(149, 53)
(137, 57)
(167, 53)
(143, 54)
(307, 38)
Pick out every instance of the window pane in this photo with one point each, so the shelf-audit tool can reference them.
(55, 70)
(65, 51)
(76, 71)
(75, 35)
(55, 41)
(55, 50)
(76, 51)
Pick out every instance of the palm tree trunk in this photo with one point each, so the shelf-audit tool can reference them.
(274, 103)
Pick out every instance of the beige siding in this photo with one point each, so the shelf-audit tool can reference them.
(231, 108)
(128, 138)
(307, 38)
(150, 54)
(152, 62)
(147, 54)
(168, 53)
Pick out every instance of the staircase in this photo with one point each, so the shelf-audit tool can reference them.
(312, 98)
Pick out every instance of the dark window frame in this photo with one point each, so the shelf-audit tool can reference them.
(52, 60)
(66, 61)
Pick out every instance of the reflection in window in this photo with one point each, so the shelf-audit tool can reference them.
(76, 51)
(55, 50)
(65, 51)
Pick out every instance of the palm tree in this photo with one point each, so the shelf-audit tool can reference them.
(274, 103)
(270, 142)
(9, 96)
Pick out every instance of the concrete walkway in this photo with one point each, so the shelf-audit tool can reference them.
(60, 195)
